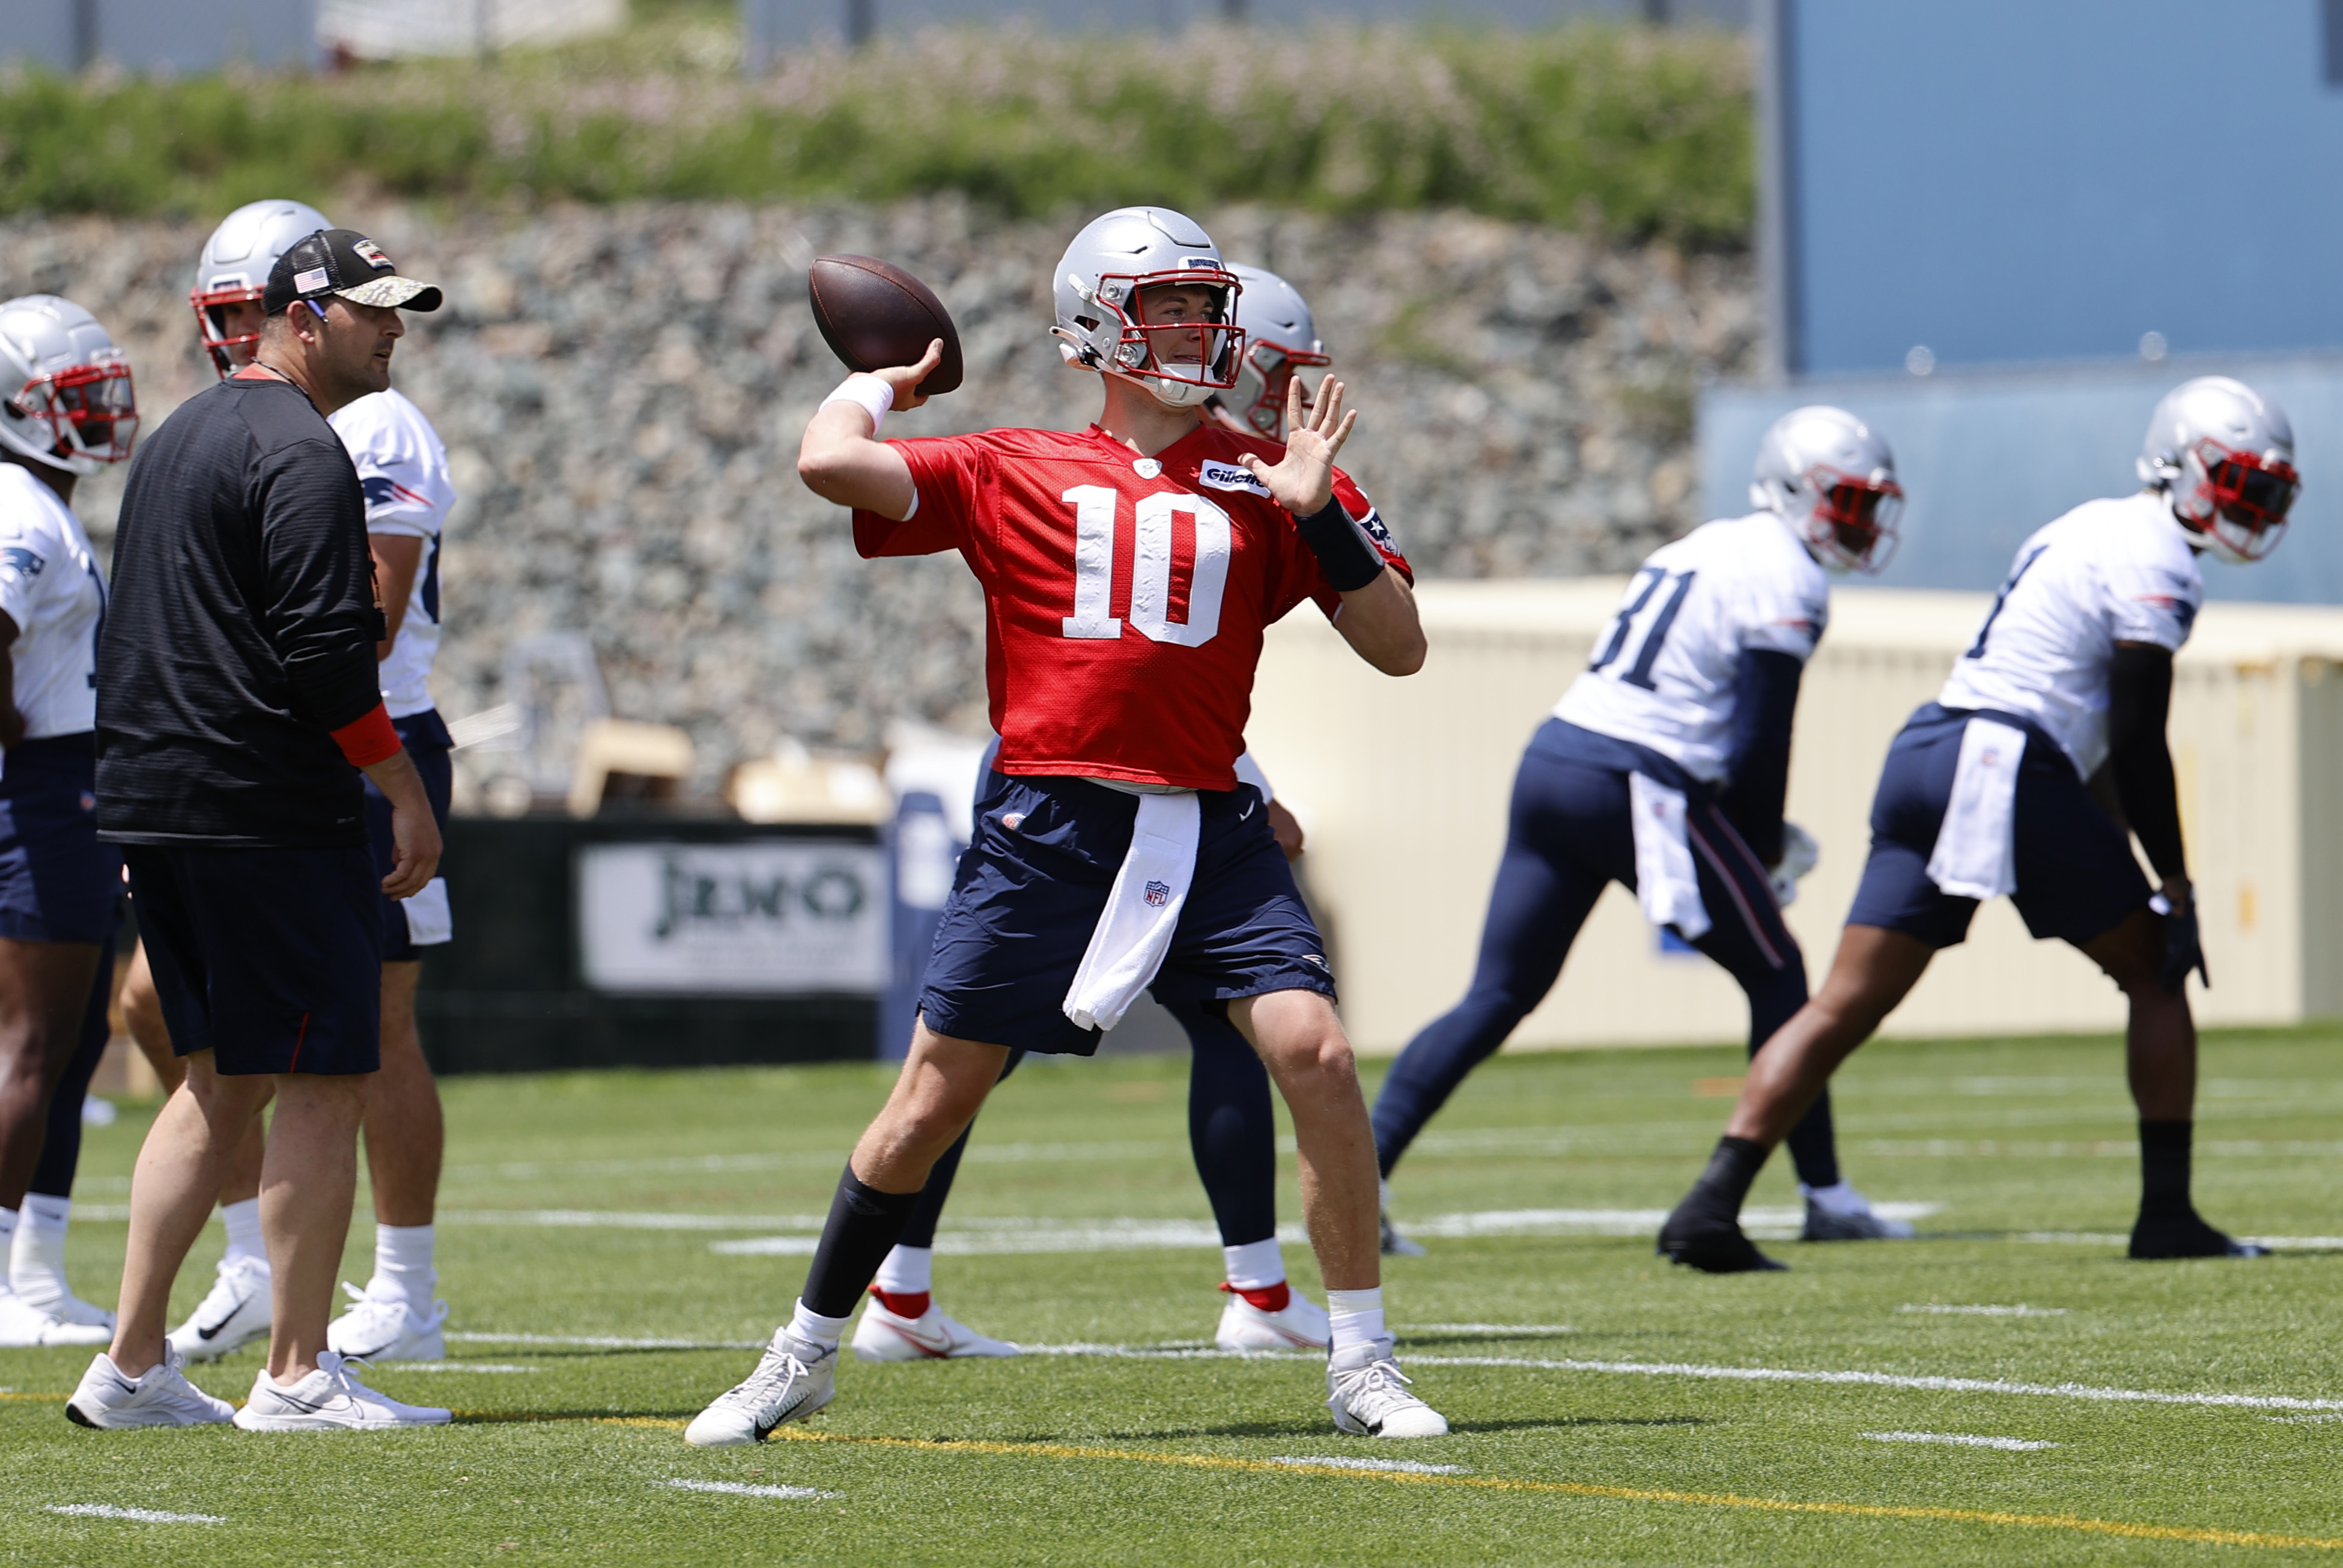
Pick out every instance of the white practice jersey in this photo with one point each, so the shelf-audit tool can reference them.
(1664, 669)
(2106, 572)
(51, 587)
(404, 470)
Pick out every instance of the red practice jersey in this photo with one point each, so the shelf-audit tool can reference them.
(1125, 596)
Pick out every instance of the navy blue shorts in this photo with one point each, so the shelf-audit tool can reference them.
(271, 960)
(2077, 878)
(57, 882)
(428, 743)
(1025, 903)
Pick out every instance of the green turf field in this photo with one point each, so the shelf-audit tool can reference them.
(1582, 1377)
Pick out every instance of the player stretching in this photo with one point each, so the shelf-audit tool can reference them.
(1129, 570)
(1231, 1132)
(403, 469)
(2021, 778)
(1664, 770)
(69, 410)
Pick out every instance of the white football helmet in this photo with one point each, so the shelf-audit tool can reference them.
(1101, 326)
(1832, 478)
(1280, 336)
(2225, 454)
(68, 398)
(234, 266)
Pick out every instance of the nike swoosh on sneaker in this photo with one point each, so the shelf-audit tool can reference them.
(766, 1429)
(212, 1330)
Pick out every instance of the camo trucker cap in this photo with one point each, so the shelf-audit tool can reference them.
(342, 261)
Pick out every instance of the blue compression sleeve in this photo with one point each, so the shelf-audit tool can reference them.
(1765, 705)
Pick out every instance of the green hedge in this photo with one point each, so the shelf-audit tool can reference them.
(1638, 131)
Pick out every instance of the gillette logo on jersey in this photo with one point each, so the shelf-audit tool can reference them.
(1124, 606)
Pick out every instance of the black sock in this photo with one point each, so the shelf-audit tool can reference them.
(863, 1225)
(1735, 1165)
(2164, 1167)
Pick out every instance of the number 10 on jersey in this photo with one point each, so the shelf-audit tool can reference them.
(1095, 507)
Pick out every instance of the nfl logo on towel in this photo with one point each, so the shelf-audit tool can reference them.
(1158, 894)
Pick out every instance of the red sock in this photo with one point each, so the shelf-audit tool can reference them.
(1269, 1298)
(902, 1305)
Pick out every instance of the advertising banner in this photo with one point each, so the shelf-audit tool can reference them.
(771, 919)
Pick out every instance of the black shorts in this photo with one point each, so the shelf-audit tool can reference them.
(2077, 878)
(1027, 899)
(271, 960)
(57, 882)
(427, 743)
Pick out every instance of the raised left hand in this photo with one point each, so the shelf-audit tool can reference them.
(1304, 482)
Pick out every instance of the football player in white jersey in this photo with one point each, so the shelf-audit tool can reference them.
(403, 469)
(2042, 757)
(66, 407)
(1664, 768)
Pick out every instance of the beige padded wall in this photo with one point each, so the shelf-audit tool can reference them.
(1402, 785)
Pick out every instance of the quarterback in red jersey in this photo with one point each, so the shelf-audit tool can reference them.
(1130, 571)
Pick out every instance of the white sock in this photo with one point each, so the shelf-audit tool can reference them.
(243, 1222)
(7, 1237)
(815, 1329)
(37, 1254)
(1357, 1317)
(1255, 1266)
(402, 1264)
(908, 1271)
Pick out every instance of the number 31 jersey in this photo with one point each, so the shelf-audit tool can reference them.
(1125, 596)
(1664, 672)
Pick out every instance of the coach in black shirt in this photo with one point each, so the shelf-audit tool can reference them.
(237, 704)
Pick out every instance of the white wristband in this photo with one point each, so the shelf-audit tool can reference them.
(867, 393)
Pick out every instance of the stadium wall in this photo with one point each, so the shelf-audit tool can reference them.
(1402, 786)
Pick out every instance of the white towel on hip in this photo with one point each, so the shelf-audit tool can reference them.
(1666, 882)
(429, 921)
(1976, 848)
(1142, 908)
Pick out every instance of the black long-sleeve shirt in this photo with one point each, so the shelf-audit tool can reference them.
(240, 632)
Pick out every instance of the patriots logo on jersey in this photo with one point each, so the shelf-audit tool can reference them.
(20, 564)
(382, 490)
(1158, 894)
(1374, 527)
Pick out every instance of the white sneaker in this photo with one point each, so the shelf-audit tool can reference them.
(890, 1336)
(1840, 1213)
(233, 1314)
(388, 1329)
(160, 1396)
(330, 1398)
(1368, 1395)
(1299, 1325)
(23, 1326)
(792, 1381)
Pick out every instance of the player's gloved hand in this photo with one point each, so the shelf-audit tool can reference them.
(1800, 855)
(2184, 949)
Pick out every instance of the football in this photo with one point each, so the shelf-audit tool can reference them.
(873, 314)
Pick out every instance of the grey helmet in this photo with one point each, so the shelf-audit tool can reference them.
(65, 396)
(1099, 327)
(1831, 478)
(234, 266)
(1280, 336)
(2225, 454)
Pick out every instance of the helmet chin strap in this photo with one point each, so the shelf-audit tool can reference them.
(1170, 394)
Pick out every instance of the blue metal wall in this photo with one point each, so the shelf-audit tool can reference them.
(2026, 180)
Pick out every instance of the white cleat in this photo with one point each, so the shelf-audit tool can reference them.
(160, 1396)
(1299, 1325)
(233, 1314)
(1840, 1213)
(388, 1329)
(23, 1326)
(792, 1381)
(1368, 1395)
(889, 1336)
(330, 1398)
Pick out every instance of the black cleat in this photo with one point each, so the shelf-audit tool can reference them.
(2185, 1235)
(1710, 1240)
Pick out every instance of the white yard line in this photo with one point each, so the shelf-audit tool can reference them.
(1501, 1331)
(1959, 1440)
(1947, 1310)
(139, 1515)
(604, 1342)
(448, 1366)
(742, 1489)
(1404, 1466)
